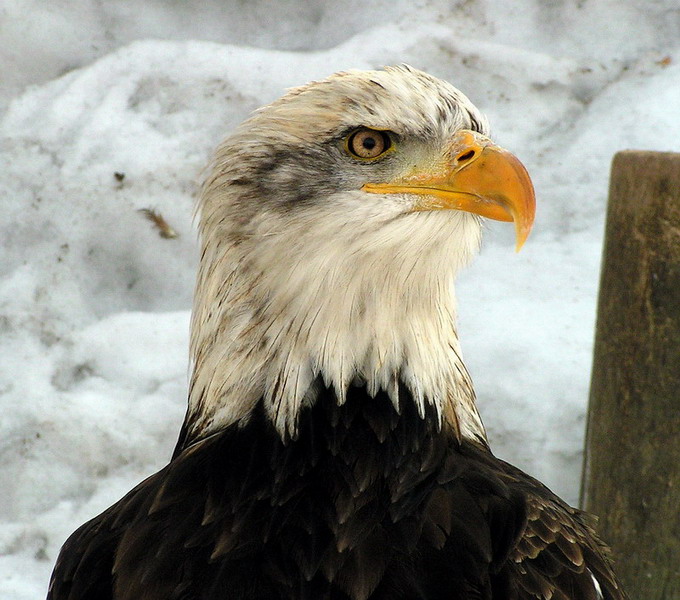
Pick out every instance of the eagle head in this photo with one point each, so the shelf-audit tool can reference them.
(332, 223)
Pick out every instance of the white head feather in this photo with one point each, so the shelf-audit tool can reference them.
(304, 277)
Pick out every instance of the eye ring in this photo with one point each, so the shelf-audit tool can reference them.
(368, 144)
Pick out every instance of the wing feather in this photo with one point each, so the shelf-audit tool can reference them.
(559, 555)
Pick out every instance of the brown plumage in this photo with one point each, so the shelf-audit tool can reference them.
(332, 449)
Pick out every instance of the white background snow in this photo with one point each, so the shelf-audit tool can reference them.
(94, 305)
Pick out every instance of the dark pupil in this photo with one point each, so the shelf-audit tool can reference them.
(369, 143)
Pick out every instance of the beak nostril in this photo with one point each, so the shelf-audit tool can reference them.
(466, 156)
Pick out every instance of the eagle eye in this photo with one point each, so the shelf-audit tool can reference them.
(368, 143)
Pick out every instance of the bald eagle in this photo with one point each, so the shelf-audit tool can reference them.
(332, 448)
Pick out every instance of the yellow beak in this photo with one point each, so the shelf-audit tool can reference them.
(475, 176)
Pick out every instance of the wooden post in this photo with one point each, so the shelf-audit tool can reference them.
(631, 474)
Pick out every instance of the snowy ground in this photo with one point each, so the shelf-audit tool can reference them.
(94, 305)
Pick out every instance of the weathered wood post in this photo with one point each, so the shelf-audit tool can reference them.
(631, 474)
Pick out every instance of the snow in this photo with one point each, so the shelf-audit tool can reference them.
(113, 107)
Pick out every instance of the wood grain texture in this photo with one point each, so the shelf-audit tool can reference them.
(632, 464)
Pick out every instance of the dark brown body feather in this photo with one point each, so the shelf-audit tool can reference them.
(365, 503)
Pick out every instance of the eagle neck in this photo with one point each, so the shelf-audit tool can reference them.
(269, 325)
